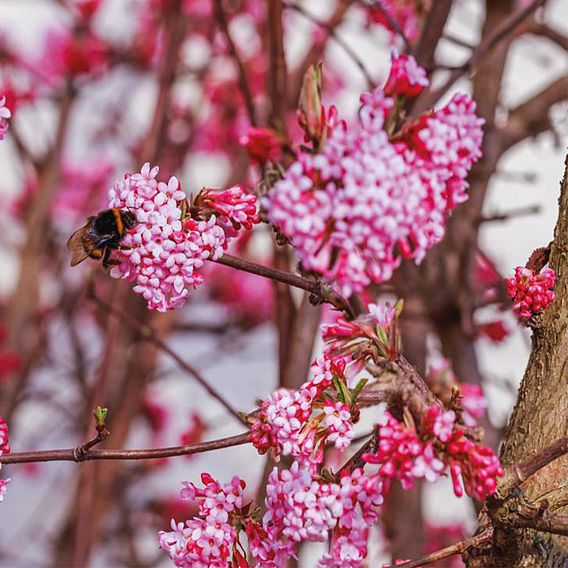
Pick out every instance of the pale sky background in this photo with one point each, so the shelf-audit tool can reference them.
(251, 365)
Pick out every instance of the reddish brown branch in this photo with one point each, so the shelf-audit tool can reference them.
(519, 473)
(532, 117)
(243, 79)
(555, 524)
(458, 548)
(323, 292)
(505, 30)
(74, 455)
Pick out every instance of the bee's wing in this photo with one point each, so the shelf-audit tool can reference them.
(79, 245)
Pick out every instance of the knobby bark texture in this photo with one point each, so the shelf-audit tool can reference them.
(539, 418)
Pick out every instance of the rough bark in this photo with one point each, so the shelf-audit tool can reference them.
(539, 418)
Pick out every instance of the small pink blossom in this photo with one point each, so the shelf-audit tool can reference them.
(262, 145)
(4, 441)
(406, 79)
(531, 293)
(477, 465)
(383, 313)
(439, 424)
(5, 114)
(3, 487)
(402, 11)
(473, 402)
(339, 424)
(427, 465)
(398, 447)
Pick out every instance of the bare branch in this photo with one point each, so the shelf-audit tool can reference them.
(519, 473)
(243, 80)
(332, 33)
(544, 30)
(323, 292)
(532, 117)
(458, 548)
(73, 454)
(504, 31)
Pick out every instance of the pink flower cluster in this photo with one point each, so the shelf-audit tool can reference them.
(401, 11)
(5, 114)
(365, 201)
(403, 455)
(206, 540)
(289, 423)
(531, 293)
(4, 449)
(165, 252)
(300, 508)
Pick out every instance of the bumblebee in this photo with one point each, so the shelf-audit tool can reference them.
(100, 235)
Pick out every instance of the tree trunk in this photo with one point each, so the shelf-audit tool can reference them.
(539, 418)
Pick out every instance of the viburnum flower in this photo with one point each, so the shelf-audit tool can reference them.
(301, 508)
(438, 423)
(531, 293)
(262, 145)
(4, 441)
(165, 252)
(356, 208)
(495, 330)
(473, 402)
(299, 423)
(3, 486)
(406, 79)
(477, 465)
(5, 114)
(404, 454)
(401, 11)
(398, 447)
(4, 449)
(205, 541)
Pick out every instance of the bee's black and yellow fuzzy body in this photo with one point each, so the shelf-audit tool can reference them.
(100, 235)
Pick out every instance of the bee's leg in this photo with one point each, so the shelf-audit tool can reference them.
(106, 257)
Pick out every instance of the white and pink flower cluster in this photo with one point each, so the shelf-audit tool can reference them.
(365, 201)
(404, 455)
(531, 293)
(4, 449)
(206, 541)
(301, 508)
(166, 250)
(299, 423)
(5, 114)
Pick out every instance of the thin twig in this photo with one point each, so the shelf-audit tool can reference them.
(512, 214)
(508, 26)
(323, 292)
(72, 454)
(458, 548)
(243, 80)
(147, 334)
(332, 33)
